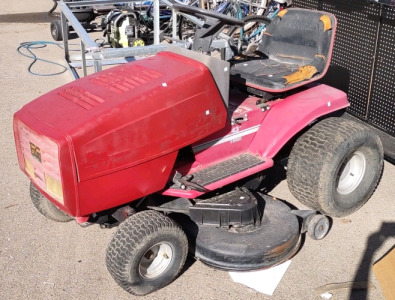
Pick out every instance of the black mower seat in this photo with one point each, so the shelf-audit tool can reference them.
(295, 49)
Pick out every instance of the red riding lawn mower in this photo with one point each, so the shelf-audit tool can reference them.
(173, 148)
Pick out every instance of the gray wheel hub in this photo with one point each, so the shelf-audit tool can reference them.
(155, 260)
(351, 173)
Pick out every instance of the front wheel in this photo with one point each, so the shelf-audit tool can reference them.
(146, 253)
(46, 208)
(335, 166)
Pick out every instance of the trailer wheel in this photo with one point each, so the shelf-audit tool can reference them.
(335, 166)
(56, 30)
(46, 208)
(146, 253)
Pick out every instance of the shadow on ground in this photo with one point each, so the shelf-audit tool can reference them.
(374, 242)
(35, 17)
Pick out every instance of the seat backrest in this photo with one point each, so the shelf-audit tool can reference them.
(299, 36)
(295, 49)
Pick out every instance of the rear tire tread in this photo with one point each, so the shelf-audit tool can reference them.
(312, 154)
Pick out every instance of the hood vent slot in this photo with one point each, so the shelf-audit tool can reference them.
(126, 78)
(81, 97)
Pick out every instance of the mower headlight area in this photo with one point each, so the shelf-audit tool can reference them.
(40, 156)
(29, 168)
(54, 187)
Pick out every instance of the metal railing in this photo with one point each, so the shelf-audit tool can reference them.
(92, 49)
(99, 56)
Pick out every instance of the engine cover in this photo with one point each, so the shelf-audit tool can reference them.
(119, 119)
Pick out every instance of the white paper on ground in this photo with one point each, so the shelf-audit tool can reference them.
(264, 281)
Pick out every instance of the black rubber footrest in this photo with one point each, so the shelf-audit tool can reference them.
(225, 169)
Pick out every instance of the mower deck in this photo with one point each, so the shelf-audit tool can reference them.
(243, 248)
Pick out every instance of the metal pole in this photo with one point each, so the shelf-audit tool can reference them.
(65, 36)
(174, 23)
(97, 56)
(156, 22)
(130, 52)
(83, 57)
(97, 65)
(97, 2)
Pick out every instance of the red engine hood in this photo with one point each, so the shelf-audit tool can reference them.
(132, 113)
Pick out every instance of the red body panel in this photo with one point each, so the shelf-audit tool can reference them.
(126, 185)
(118, 131)
(246, 117)
(289, 116)
(263, 133)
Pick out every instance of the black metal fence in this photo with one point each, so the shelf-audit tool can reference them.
(363, 63)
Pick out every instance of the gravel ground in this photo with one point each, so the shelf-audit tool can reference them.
(41, 259)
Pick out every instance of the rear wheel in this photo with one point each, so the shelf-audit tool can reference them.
(46, 208)
(146, 253)
(335, 166)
